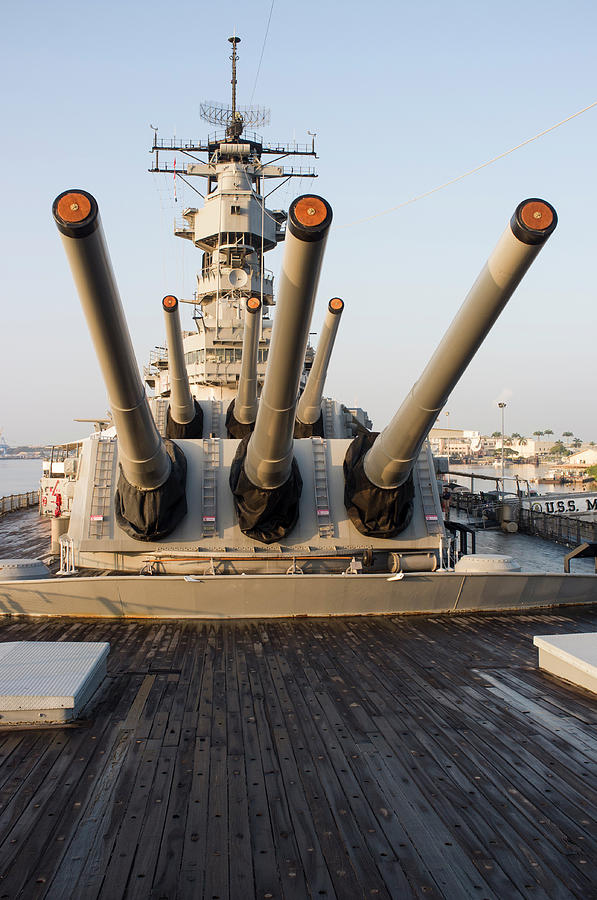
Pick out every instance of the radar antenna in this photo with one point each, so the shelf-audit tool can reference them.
(234, 118)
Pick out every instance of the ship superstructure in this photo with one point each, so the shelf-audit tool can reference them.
(234, 229)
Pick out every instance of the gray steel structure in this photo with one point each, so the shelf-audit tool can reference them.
(309, 406)
(182, 406)
(194, 550)
(269, 454)
(391, 459)
(143, 456)
(245, 403)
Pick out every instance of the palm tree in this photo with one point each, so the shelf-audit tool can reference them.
(577, 443)
(496, 434)
(548, 431)
(567, 434)
(516, 435)
(522, 441)
(538, 433)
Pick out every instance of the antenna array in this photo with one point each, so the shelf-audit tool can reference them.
(220, 114)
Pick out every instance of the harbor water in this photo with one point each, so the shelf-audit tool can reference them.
(19, 475)
(527, 475)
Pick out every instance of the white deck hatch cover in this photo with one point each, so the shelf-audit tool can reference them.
(570, 656)
(48, 681)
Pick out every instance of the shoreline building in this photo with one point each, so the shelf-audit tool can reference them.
(469, 443)
(585, 457)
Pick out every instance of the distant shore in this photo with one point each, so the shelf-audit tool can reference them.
(12, 453)
(20, 456)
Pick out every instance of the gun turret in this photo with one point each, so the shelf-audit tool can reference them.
(243, 409)
(308, 411)
(378, 483)
(185, 417)
(264, 477)
(150, 498)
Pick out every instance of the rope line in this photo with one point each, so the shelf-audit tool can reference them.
(271, 9)
(484, 165)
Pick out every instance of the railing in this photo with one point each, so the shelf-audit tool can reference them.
(246, 137)
(561, 529)
(67, 556)
(582, 551)
(211, 272)
(477, 507)
(18, 501)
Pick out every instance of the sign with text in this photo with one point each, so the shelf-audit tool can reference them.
(563, 505)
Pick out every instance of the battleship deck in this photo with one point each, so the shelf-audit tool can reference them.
(379, 757)
(24, 533)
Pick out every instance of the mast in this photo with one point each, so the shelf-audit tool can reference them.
(233, 126)
(234, 229)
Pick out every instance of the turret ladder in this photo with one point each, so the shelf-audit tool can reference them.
(424, 475)
(101, 497)
(325, 526)
(211, 464)
(160, 413)
(215, 418)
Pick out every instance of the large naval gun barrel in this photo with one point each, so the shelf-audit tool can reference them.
(269, 452)
(267, 489)
(151, 490)
(185, 418)
(308, 411)
(243, 409)
(386, 465)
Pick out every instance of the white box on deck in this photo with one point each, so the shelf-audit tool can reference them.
(570, 656)
(47, 682)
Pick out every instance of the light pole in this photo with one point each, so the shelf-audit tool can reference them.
(502, 406)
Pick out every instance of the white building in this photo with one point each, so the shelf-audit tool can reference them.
(449, 442)
(585, 457)
(531, 447)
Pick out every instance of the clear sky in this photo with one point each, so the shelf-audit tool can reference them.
(403, 97)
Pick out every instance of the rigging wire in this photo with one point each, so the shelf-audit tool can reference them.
(192, 187)
(484, 165)
(271, 9)
(163, 224)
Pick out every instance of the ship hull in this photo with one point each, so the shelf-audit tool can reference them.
(273, 596)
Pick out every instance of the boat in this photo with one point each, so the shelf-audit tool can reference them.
(227, 475)
(273, 723)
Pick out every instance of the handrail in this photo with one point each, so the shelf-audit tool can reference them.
(18, 501)
(583, 551)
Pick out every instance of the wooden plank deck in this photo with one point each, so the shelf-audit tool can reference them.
(24, 534)
(366, 757)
